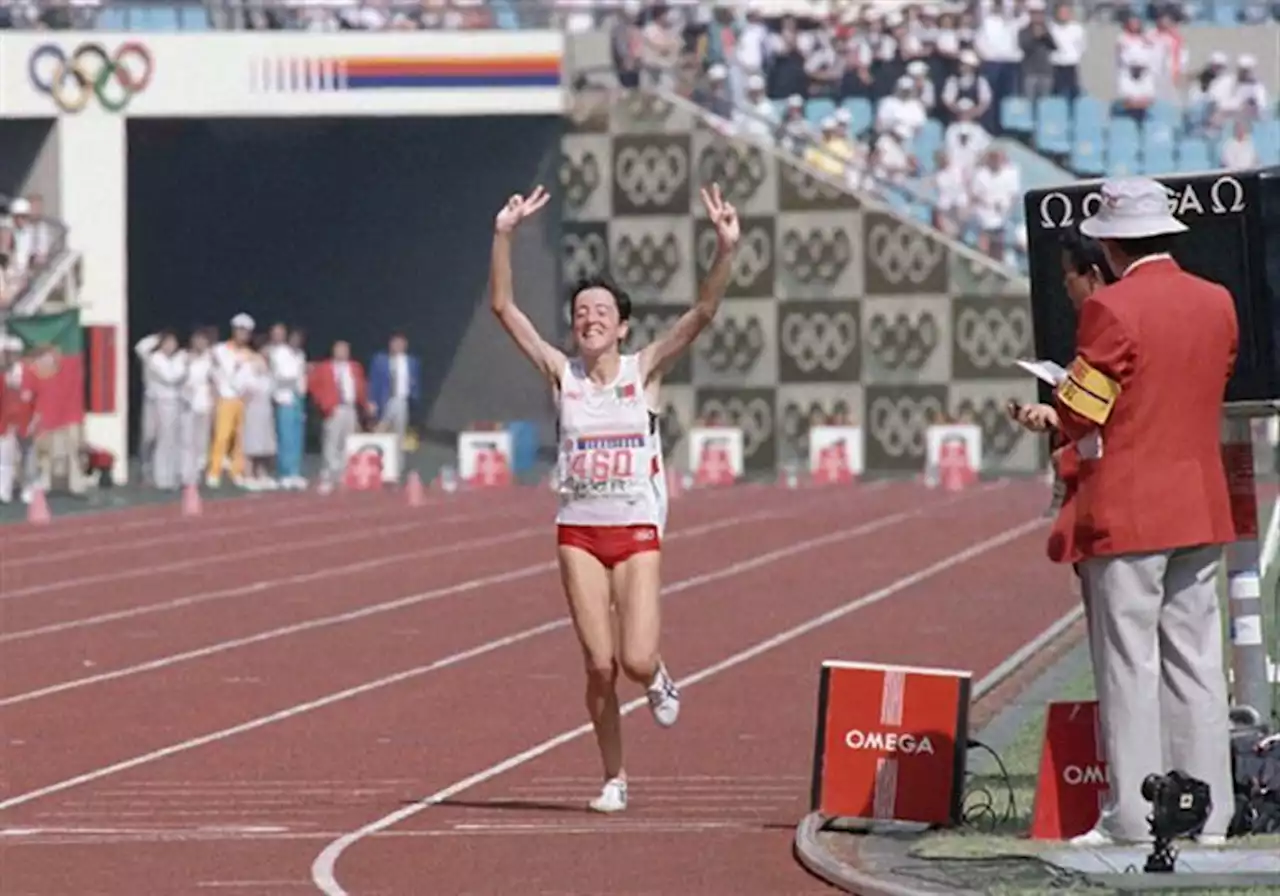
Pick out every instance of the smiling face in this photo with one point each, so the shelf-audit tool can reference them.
(598, 324)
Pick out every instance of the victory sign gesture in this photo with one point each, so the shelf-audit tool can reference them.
(724, 216)
(520, 207)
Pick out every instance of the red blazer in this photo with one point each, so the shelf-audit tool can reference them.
(1062, 535)
(322, 384)
(1154, 353)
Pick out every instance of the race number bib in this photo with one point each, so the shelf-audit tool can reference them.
(602, 467)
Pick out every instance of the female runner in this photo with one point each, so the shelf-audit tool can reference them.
(613, 500)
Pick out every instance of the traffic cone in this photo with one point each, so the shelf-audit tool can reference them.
(191, 505)
(38, 508)
(413, 489)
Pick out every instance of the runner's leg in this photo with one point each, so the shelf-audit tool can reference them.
(637, 583)
(586, 585)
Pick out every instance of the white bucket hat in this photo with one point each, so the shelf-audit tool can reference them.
(1132, 208)
(242, 322)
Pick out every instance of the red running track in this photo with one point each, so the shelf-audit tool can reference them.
(282, 711)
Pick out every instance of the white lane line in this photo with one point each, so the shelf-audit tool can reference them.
(257, 523)
(296, 628)
(218, 557)
(732, 570)
(323, 868)
(267, 584)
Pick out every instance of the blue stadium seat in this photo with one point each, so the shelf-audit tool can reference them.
(1017, 115)
(1124, 157)
(1194, 155)
(1226, 13)
(1086, 156)
(1123, 129)
(1158, 158)
(1165, 113)
(931, 132)
(819, 108)
(1266, 137)
(861, 114)
(922, 212)
(1090, 116)
(1053, 125)
(504, 16)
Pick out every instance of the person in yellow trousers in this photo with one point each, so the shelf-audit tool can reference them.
(228, 420)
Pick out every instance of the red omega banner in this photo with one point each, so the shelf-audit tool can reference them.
(1072, 785)
(890, 743)
(1237, 459)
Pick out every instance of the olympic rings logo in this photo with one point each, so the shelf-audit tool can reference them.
(898, 423)
(991, 338)
(819, 340)
(71, 81)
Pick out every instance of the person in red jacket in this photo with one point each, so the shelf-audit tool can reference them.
(1142, 405)
(338, 388)
(17, 422)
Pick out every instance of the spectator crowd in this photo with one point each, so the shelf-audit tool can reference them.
(904, 100)
(237, 406)
(28, 240)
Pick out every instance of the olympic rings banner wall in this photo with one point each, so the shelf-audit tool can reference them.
(833, 310)
(245, 74)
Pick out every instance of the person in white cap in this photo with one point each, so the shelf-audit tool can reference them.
(1142, 402)
(901, 108)
(758, 117)
(968, 84)
(1249, 98)
(1212, 90)
(17, 407)
(164, 372)
(227, 447)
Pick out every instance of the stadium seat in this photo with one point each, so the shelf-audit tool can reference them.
(1165, 114)
(1090, 116)
(1266, 138)
(1194, 155)
(1017, 115)
(922, 212)
(1124, 157)
(818, 108)
(1158, 159)
(861, 114)
(1123, 129)
(1225, 13)
(1086, 156)
(1053, 125)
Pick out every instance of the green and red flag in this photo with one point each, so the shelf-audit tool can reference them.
(60, 371)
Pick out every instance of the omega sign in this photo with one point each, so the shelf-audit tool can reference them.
(1225, 196)
(1075, 775)
(887, 742)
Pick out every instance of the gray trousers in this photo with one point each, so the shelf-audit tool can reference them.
(1156, 631)
(395, 416)
(166, 455)
(333, 440)
(147, 438)
(195, 430)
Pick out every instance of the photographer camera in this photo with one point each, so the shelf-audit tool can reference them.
(1180, 806)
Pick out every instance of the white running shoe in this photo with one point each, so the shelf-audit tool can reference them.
(664, 698)
(613, 798)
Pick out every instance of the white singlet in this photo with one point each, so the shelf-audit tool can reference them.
(609, 471)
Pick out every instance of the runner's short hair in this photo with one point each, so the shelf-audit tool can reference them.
(620, 296)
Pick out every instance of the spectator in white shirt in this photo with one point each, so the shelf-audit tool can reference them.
(1135, 92)
(1168, 56)
(288, 366)
(892, 161)
(1212, 91)
(965, 139)
(1070, 42)
(752, 50)
(968, 84)
(165, 374)
(1249, 96)
(902, 108)
(661, 49)
(1238, 151)
(197, 407)
(995, 187)
(951, 183)
(24, 254)
(997, 44)
(758, 118)
(1132, 46)
(922, 84)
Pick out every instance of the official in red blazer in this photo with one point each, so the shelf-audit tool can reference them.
(1142, 403)
(17, 420)
(339, 390)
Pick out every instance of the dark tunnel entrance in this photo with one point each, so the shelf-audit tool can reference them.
(349, 228)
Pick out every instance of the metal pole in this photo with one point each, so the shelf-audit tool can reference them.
(1251, 686)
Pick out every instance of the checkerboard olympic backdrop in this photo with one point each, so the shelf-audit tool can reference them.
(832, 307)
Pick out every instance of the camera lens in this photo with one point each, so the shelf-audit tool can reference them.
(1151, 787)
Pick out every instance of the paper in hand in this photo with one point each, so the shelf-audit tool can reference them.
(1047, 371)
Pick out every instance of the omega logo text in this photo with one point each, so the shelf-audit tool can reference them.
(1075, 775)
(889, 742)
(1225, 196)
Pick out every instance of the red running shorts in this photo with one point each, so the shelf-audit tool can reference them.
(610, 545)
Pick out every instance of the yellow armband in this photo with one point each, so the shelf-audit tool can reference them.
(1088, 391)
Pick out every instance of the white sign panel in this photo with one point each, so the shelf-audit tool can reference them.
(830, 438)
(276, 74)
(939, 438)
(706, 438)
(471, 445)
(383, 444)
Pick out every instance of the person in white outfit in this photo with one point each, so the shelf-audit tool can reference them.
(198, 393)
(17, 460)
(289, 370)
(165, 372)
(145, 348)
(610, 480)
(257, 385)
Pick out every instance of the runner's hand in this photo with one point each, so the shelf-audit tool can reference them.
(518, 208)
(724, 216)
